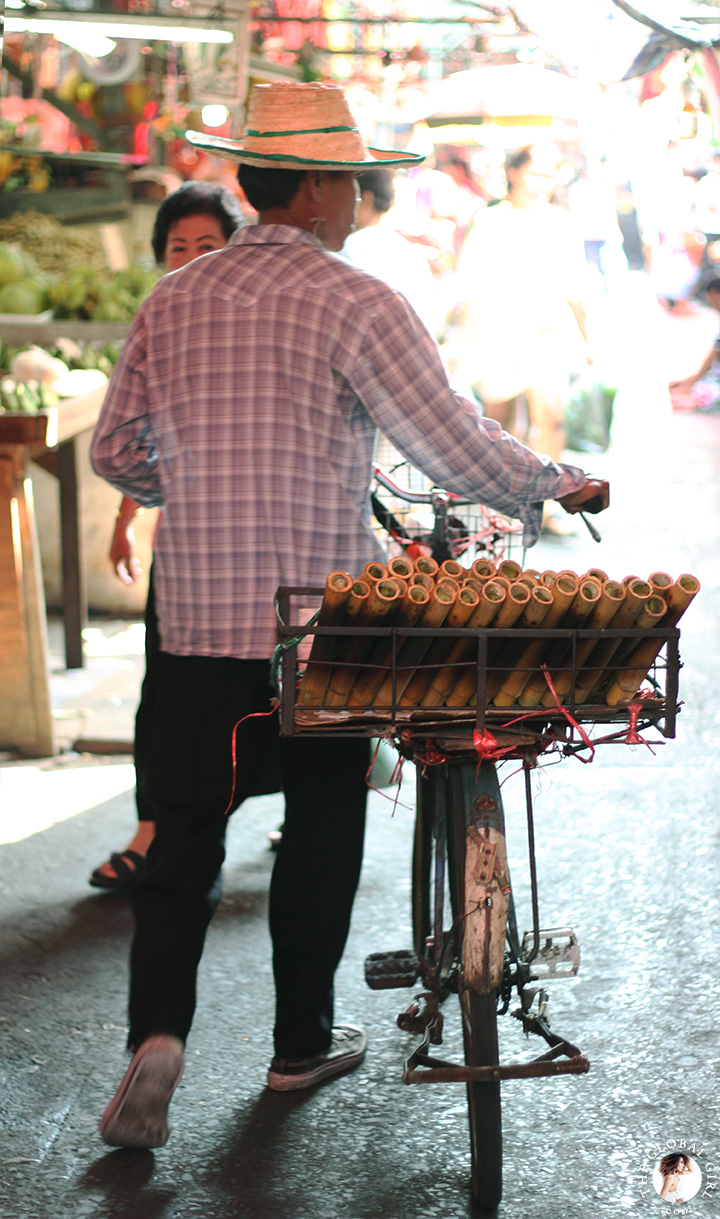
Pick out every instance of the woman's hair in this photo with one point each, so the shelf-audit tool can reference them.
(195, 199)
(518, 160)
(673, 1163)
(380, 184)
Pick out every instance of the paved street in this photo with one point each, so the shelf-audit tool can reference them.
(628, 854)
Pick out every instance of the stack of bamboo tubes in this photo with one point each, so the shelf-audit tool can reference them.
(440, 670)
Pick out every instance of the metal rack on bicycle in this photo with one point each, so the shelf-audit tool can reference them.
(525, 721)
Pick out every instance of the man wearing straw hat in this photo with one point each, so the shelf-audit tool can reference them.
(246, 402)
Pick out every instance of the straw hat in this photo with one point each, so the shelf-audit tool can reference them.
(298, 126)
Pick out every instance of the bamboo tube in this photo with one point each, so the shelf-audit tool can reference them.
(332, 613)
(525, 610)
(629, 579)
(583, 604)
(597, 573)
(660, 582)
(547, 577)
(368, 681)
(625, 682)
(373, 572)
(400, 584)
(517, 599)
(425, 565)
(528, 581)
(424, 581)
(491, 600)
(679, 596)
(532, 571)
(475, 584)
(400, 567)
(459, 616)
(590, 676)
(450, 568)
(611, 598)
(504, 582)
(509, 569)
(483, 569)
(442, 597)
(383, 600)
(564, 591)
(442, 579)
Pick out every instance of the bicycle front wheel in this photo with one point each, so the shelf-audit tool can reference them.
(481, 1050)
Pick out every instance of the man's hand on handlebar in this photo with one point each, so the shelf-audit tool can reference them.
(593, 497)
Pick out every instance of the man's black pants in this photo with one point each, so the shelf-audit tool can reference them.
(187, 787)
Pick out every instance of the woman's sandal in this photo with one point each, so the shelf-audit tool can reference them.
(129, 868)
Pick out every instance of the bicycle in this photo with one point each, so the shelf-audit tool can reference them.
(465, 925)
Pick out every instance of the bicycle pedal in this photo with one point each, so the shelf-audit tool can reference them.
(558, 955)
(387, 970)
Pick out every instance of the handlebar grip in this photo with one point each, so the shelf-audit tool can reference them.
(593, 505)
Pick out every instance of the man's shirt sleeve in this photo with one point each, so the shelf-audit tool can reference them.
(122, 449)
(400, 379)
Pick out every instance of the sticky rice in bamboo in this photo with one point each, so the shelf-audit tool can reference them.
(453, 569)
(400, 567)
(379, 658)
(563, 593)
(459, 616)
(611, 598)
(490, 601)
(677, 599)
(426, 565)
(373, 572)
(353, 649)
(578, 612)
(637, 593)
(509, 569)
(443, 596)
(483, 569)
(332, 613)
(521, 605)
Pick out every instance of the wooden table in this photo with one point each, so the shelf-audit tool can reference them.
(48, 438)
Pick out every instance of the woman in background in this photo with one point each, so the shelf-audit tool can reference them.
(195, 219)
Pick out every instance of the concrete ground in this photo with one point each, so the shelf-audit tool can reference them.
(627, 853)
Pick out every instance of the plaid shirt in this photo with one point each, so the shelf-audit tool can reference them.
(246, 403)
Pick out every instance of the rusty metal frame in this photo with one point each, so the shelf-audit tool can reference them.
(414, 723)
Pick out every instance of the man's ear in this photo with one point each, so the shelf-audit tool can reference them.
(315, 182)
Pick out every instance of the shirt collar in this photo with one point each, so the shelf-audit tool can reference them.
(272, 234)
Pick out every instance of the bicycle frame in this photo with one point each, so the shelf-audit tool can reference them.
(461, 810)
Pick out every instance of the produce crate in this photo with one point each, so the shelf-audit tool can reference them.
(516, 724)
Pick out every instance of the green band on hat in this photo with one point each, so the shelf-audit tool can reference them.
(265, 135)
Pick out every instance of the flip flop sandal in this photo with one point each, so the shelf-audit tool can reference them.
(129, 867)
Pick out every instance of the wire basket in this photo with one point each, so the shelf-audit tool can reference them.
(487, 661)
(471, 530)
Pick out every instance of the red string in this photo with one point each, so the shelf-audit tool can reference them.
(253, 715)
(395, 777)
(633, 736)
(570, 719)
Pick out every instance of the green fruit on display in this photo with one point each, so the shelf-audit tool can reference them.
(110, 297)
(24, 296)
(13, 265)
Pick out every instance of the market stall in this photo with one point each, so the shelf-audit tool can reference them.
(48, 437)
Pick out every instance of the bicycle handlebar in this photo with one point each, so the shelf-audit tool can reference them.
(410, 497)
